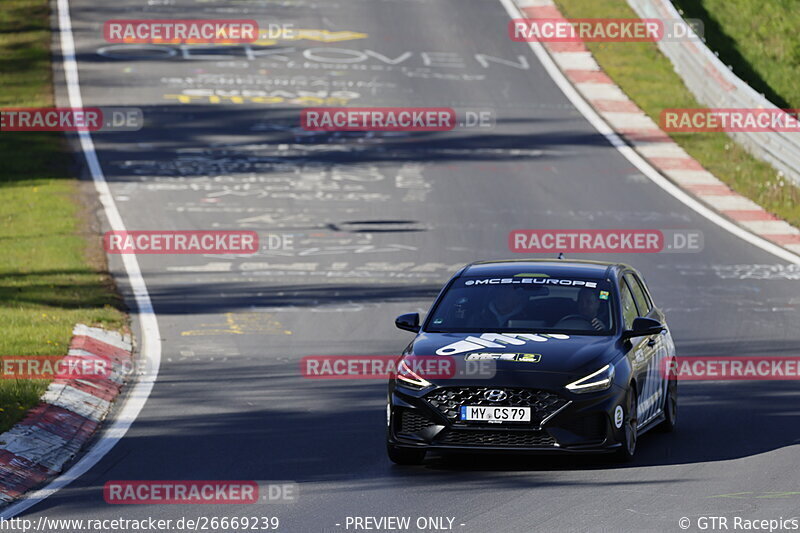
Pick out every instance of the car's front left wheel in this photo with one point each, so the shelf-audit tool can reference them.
(630, 427)
(405, 456)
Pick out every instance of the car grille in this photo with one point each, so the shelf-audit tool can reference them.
(521, 439)
(411, 422)
(588, 427)
(450, 399)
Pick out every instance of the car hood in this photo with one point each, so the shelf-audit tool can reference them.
(566, 354)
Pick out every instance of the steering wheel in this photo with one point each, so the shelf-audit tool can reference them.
(574, 317)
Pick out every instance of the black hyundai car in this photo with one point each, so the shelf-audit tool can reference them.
(581, 361)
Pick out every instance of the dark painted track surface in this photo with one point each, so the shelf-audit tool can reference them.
(379, 223)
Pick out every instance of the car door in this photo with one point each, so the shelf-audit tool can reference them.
(636, 352)
(648, 353)
(665, 355)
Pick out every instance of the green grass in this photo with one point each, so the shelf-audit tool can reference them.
(51, 264)
(648, 78)
(758, 39)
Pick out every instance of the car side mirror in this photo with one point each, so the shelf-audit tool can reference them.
(408, 322)
(643, 327)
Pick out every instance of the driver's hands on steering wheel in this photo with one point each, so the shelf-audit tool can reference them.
(595, 322)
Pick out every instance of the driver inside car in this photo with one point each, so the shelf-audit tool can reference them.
(588, 306)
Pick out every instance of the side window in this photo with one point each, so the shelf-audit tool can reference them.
(629, 312)
(638, 294)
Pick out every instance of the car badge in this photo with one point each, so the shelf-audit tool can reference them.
(495, 395)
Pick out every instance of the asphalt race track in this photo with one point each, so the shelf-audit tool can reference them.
(378, 223)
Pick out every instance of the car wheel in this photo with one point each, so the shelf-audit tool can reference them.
(630, 428)
(405, 456)
(670, 408)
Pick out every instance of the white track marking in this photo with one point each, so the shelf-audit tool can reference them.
(151, 343)
(637, 160)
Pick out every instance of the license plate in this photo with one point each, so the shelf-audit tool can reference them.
(495, 415)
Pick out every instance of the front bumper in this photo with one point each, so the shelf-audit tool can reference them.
(561, 421)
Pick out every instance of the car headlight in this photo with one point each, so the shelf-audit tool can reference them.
(597, 381)
(409, 378)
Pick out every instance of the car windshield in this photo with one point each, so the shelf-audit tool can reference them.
(524, 304)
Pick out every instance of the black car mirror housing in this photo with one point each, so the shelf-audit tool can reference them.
(408, 322)
(643, 327)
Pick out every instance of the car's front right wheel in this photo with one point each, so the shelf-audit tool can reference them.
(405, 456)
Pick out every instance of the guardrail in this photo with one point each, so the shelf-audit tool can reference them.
(716, 86)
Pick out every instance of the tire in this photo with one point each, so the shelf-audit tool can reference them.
(405, 456)
(630, 435)
(670, 408)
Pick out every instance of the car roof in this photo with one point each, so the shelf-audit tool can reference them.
(550, 267)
